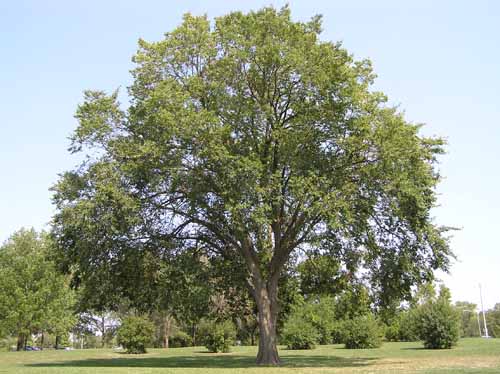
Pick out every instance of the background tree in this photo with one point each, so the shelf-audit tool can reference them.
(469, 321)
(171, 290)
(60, 315)
(321, 274)
(403, 326)
(424, 293)
(103, 323)
(182, 290)
(353, 302)
(252, 140)
(493, 321)
(34, 297)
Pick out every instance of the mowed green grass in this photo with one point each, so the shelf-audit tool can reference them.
(471, 356)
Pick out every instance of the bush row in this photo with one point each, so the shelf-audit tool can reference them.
(436, 322)
(314, 323)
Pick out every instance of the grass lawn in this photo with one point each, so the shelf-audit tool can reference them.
(470, 356)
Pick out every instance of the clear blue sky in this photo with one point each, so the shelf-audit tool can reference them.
(438, 60)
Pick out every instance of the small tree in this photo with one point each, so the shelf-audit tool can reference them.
(439, 322)
(362, 332)
(34, 297)
(135, 334)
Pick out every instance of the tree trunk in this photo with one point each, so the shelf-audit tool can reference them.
(167, 323)
(193, 335)
(58, 339)
(20, 342)
(103, 332)
(267, 303)
(41, 341)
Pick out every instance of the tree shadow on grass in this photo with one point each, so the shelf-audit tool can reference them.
(229, 361)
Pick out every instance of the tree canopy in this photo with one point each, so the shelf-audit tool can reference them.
(252, 140)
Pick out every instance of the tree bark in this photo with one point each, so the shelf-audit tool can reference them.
(267, 303)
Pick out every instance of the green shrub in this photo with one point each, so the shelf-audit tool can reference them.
(299, 333)
(408, 326)
(218, 336)
(180, 339)
(362, 332)
(320, 312)
(439, 324)
(135, 334)
(392, 331)
(403, 328)
(338, 332)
